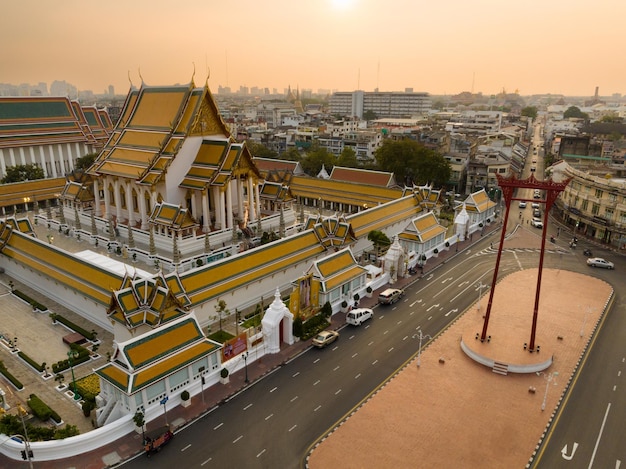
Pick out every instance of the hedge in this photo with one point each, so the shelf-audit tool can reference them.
(42, 410)
(30, 361)
(16, 382)
(29, 300)
(85, 333)
(62, 365)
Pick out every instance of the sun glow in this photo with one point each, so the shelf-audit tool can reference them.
(342, 4)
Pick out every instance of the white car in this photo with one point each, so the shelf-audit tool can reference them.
(522, 205)
(535, 205)
(599, 262)
(359, 315)
(536, 222)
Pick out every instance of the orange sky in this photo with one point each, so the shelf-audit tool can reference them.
(441, 47)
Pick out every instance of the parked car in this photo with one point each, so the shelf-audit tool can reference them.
(536, 222)
(359, 315)
(535, 205)
(522, 205)
(325, 338)
(599, 262)
(537, 213)
(156, 439)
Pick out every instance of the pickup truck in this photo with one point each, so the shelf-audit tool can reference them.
(156, 439)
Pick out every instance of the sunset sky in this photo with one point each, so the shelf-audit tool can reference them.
(441, 47)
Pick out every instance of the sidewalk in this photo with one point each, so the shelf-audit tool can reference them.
(178, 417)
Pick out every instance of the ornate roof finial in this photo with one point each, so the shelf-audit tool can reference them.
(129, 80)
(194, 71)
(139, 70)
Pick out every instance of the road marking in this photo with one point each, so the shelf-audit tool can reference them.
(618, 463)
(357, 376)
(463, 283)
(269, 417)
(370, 343)
(385, 332)
(336, 368)
(293, 428)
(411, 313)
(619, 373)
(295, 374)
(399, 322)
(430, 317)
(316, 360)
(469, 251)
(447, 279)
(405, 337)
(237, 439)
(351, 337)
(381, 316)
(207, 461)
(248, 406)
(335, 347)
(367, 327)
(593, 455)
(433, 306)
(294, 398)
(317, 408)
(258, 455)
(569, 456)
(185, 448)
(316, 383)
(338, 391)
(355, 354)
(455, 310)
(274, 389)
(374, 362)
(430, 277)
(215, 428)
(390, 349)
(614, 387)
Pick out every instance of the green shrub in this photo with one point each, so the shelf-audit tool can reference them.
(85, 333)
(30, 361)
(185, 394)
(16, 382)
(40, 408)
(34, 303)
(297, 327)
(87, 407)
(224, 373)
(313, 326)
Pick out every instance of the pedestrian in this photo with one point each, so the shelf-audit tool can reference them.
(490, 245)
(558, 231)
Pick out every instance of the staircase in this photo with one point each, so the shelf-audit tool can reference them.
(500, 368)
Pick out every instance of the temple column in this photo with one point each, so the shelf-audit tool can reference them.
(118, 200)
(96, 194)
(129, 204)
(239, 188)
(229, 205)
(52, 164)
(206, 216)
(258, 200)
(251, 206)
(142, 209)
(107, 198)
(218, 206)
(221, 207)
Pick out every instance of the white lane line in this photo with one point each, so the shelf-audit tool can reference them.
(593, 455)
(317, 408)
(357, 376)
(294, 398)
(336, 368)
(355, 354)
(295, 374)
(399, 322)
(258, 455)
(374, 362)
(186, 447)
(390, 349)
(274, 389)
(405, 337)
(206, 462)
(293, 428)
(430, 317)
(316, 383)
(381, 316)
(385, 332)
(370, 343)
(248, 406)
(316, 360)
(237, 439)
(367, 327)
(351, 337)
(335, 347)
(338, 392)
(269, 417)
(215, 428)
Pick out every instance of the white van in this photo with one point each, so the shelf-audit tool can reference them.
(359, 315)
(390, 296)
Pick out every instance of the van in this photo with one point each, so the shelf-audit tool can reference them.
(390, 296)
(359, 315)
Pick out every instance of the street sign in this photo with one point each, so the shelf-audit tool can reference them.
(164, 400)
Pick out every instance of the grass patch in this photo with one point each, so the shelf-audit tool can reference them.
(221, 336)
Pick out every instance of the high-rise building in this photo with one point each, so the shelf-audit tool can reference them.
(383, 104)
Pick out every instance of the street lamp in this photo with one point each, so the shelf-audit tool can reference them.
(419, 347)
(70, 356)
(27, 454)
(245, 364)
(548, 377)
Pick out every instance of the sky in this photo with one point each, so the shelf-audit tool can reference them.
(441, 47)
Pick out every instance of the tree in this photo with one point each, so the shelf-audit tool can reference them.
(412, 162)
(292, 154)
(24, 172)
(369, 115)
(348, 159)
(260, 150)
(85, 162)
(222, 311)
(530, 111)
(313, 161)
(379, 240)
(575, 112)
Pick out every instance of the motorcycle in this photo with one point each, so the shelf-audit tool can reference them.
(572, 245)
(587, 252)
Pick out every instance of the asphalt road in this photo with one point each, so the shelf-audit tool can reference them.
(274, 422)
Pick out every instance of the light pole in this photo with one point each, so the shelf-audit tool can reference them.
(27, 454)
(548, 377)
(201, 370)
(419, 347)
(71, 355)
(480, 293)
(245, 364)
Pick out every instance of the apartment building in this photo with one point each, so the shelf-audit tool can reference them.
(383, 104)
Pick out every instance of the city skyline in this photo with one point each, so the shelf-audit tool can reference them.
(342, 45)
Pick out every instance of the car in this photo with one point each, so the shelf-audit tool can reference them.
(599, 262)
(536, 196)
(390, 296)
(532, 170)
(534, 160)
(536, 222)
(537, 213)
(325, 338)
(522, 205)
(535, 205)
(359, 315)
